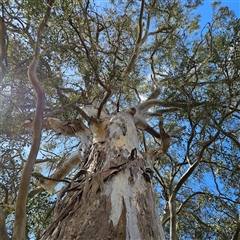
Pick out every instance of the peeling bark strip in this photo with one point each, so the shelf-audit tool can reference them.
(112, 197)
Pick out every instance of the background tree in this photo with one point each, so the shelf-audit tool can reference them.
(151, 96)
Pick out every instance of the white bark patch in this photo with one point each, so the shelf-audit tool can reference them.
(122, 132)
(120, 188)
(116, 191)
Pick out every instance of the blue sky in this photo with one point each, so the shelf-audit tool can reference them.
(206, 10)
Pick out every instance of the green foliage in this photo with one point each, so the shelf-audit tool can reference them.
(87, 46)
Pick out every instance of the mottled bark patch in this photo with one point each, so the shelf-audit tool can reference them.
(113, 198)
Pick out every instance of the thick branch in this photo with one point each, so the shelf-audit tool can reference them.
(155, 93)
(67, 165)
(147, 27)
(75, 127)
(20, 213)
(143, 107)
(107, 95)
(142, 125)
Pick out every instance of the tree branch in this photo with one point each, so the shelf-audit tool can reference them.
(167, 216)
(90, 59)
(197, 218)
(19, 230)
(143, 107)
(20, 215)
(142, 125)
(138, 42)
(66, 166)
(155, 93)
(173, 133)
(107, 95)
(75, 127)
(184, 178)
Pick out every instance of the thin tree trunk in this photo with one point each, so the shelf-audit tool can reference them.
(173, 220)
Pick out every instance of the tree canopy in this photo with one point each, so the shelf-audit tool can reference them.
(112, 57)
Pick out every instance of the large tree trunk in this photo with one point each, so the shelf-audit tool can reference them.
(112, 196)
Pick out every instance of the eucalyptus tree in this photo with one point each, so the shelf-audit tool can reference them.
(128, 95)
